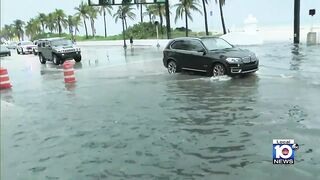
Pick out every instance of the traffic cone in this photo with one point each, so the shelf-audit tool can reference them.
(68, 72)
(4, 79)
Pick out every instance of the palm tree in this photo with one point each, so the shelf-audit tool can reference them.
(7, 32)
(18, 28)
(60, 18)
(70, 25)
(149, 12)
(50, 22)
(73, 24)
(128, 14)
(83, 10)
(125, 11)
(92, 13)
(76, 23)
(122, 13)
(204, 2)
(42, 18)
(184, 9)
(159, 10)
(33, 28)
(140, 7)
(103, 10)
(222, 3)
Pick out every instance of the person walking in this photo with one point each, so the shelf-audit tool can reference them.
(131, 41)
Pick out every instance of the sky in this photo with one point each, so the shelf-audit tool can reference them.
(267, 12)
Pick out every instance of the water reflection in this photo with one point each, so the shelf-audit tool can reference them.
(297, 57)
(79, 65)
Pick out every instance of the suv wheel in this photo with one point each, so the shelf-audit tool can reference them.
(218, 70)
(172, 67)
(41, 59)
(55, 59)
(18, 52)
(77, 59)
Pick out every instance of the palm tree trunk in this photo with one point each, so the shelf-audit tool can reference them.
(92, 26)
(187, 31)
(222, 18)
(59, 27)
(150, 17)
(205, 17)
(105, 23)
(141, 16)
(42, 24)
(71, 31)
(125, 21)
(123, 34)
(85, 26)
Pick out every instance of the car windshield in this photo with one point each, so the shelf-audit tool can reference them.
(216, 43)
(62, 42)
(27, 43)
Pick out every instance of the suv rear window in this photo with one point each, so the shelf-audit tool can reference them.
(188, 45)
(181, 45)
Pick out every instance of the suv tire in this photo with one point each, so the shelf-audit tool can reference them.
(172, 67)
(18, 52)
(55, 59)
(218, 69)
(77, 59)
(42, 59)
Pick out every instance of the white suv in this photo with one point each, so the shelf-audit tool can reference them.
(24, 47)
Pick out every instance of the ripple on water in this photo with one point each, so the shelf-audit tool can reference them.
(37, 169)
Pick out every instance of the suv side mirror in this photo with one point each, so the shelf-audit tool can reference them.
(203, 51)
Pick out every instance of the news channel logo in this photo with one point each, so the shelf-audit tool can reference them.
(283, 151)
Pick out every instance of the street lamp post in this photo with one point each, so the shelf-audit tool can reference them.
(296, 21)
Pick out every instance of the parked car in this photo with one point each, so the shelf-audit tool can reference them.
(58, 50)
(24, 47)
(4, 51)
(12, 45)
(212, 55)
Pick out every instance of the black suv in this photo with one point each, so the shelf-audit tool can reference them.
(212, 55)
(57, 50)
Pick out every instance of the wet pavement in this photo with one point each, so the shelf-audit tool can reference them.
(127, 118)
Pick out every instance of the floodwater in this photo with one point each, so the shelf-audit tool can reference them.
(127, 118)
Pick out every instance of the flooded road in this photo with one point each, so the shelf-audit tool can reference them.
(127, 118)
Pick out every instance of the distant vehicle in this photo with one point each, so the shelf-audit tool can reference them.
(214, 56)
(58, 50)
(4, 51)
(12, 45)
(35, 48)
(24, 47)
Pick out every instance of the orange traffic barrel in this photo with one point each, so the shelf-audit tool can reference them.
(4, 79)
(68, 72)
